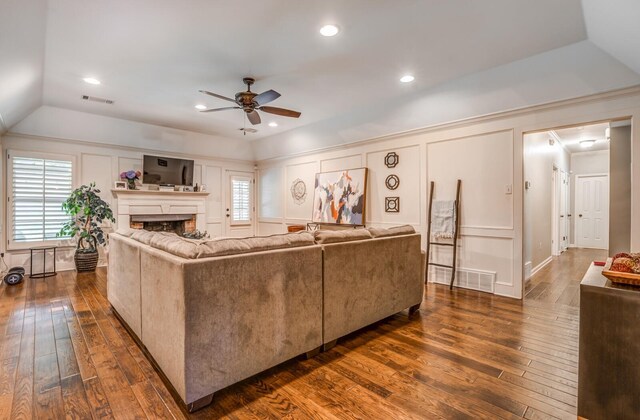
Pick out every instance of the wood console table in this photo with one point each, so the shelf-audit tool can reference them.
(609, 360)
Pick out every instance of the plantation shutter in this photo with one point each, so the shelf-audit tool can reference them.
(240, 200)
(39, 187)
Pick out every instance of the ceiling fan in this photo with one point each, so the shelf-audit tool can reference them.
(251, 102)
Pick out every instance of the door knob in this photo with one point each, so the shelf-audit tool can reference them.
(562, 215)
(579, 215)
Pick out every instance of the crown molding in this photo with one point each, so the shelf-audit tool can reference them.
(127, 148)
(464, 122)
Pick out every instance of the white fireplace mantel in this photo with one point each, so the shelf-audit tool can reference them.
(146, 202)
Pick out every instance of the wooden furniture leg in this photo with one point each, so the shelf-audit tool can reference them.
(328, 346)
(313, 353)
(414, 309)
(201, 403)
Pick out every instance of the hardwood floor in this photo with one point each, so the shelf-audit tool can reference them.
(558, 282)
(464, 355)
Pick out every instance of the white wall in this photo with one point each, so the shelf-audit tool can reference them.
(103, 163)
(481, 159)
(486, 152)
(540, 157)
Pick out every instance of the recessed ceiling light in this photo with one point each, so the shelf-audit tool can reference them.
(273, 124)
(200, 107)
(329, 30)
(407, 78)
(585, 144)
(91, 81)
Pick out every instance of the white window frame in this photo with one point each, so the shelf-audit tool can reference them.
(232, 221)
(11, 244)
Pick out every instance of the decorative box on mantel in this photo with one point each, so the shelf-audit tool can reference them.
(161, 210)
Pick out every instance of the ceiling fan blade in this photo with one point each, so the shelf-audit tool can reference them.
(254, 117)
(220, 109)
(215, 95)
(266, 97)
(280, 111)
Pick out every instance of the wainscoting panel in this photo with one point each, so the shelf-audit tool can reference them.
(307, 173)
(409, 189)
(271, 193)
(343, 162)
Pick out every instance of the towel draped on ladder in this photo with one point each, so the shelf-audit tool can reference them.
(443, 219)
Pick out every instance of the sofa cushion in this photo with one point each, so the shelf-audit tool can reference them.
(392, 231)
(143, 236)
(217, 247)
(126, 232)
(174, 244)
(333, 236)
(229, 246)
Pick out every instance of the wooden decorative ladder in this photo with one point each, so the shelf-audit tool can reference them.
(456, 228)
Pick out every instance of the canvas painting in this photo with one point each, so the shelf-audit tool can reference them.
(339, 197)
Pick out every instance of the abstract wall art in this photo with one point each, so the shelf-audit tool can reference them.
(339, 197)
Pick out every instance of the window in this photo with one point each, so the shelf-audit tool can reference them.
(240, 200)
(38, 187)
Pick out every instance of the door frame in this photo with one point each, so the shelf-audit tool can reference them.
(577, 191)
(555, 211)
(228, 226)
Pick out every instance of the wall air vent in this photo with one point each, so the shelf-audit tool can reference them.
(467, 278)
(96, 99)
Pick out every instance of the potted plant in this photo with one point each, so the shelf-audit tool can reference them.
(87, 211)
(131, 177)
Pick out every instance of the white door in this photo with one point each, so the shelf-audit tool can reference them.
(592, 208)
(239, 210)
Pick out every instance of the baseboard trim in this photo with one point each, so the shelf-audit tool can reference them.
(527, 270)
(541, 265)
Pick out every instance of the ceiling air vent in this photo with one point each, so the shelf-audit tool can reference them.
(96, 99)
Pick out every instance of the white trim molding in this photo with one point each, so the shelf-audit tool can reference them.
(541, 265)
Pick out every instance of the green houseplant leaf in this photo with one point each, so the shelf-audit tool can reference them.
(87, 211)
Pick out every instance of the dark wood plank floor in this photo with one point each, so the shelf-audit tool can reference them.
(558, 282)
(465, 355)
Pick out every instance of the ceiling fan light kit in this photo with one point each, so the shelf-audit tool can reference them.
(251, 102)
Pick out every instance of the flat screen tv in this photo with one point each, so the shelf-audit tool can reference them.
(164, 170)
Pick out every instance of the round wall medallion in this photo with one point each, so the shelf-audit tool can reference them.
(298, 191)
(391, 159)
(392, 182)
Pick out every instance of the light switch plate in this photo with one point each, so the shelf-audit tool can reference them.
(508, 189)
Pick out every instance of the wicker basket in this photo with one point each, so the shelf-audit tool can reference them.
(619, 276)
(86, 261)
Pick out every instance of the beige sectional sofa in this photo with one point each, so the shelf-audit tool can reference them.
(211, 313)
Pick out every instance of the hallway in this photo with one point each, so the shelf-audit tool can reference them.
(559, 281)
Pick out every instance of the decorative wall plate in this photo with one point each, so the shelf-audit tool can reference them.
(392, 182)
(298, 191)
(392, 204)
(391, 159)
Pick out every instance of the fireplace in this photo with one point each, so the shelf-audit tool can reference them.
(176, 223)
(171, 211)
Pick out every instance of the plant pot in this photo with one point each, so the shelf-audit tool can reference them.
(86, 260)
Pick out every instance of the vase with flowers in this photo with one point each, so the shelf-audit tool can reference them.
(131, 177)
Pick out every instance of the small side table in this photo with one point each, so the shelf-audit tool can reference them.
(44, 272)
